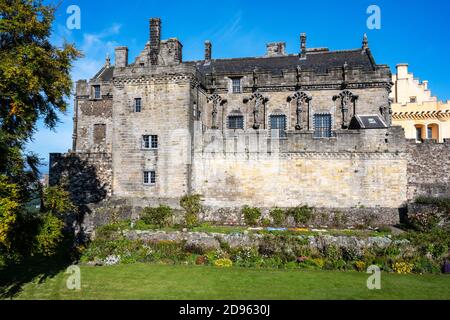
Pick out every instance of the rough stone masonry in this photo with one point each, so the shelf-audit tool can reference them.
(281, 130)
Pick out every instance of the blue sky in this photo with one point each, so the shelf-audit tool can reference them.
(415, 32)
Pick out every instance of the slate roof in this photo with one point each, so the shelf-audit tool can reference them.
(371, 121)
(319, 62)
(105, 74)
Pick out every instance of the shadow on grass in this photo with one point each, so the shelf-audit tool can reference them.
(32, 269)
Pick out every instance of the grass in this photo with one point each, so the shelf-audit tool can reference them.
(153, 281)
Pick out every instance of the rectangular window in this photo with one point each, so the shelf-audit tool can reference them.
(137, 105)
(235, 122)
(322, 126)
(419, 134)
(97, 93)
(278, 126)
(149, 177)
(429, 133)
(236, 82)
(150, 142)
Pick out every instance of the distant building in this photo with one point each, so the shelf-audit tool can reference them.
(416, 110)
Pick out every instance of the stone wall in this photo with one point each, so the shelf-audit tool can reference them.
(428, 169)
(88, 175)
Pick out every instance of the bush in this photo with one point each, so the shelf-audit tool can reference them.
(160, 216)
(57, 201)
(424, 221)
(49, 235)
(302, 215)
(223, 263)
(251, 215)
(192, 206)
(246, 257)
(360, 266)
(424, 265)
(278, 216)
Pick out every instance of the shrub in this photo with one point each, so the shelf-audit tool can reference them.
(266, 222)
(246, 257)
(278, 216)
(302, 215)
(192, 206)
(49, 235)
(223, 263)
(402, 267)
(251, 215)
(424, 221)
(159, 216)
(424, 265)
(201, 260)
(360, 266)
(339, 220)
(57, 200)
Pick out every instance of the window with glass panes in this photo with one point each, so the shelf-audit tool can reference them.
(322, 126)
(150, 142)
(235, 122)
(97, 93)
(137, 105)
(278, 123)
(149, 177)
(236, 82)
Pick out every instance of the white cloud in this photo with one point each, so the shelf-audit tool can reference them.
(94, 46)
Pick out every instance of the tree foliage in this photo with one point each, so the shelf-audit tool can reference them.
(35, 84)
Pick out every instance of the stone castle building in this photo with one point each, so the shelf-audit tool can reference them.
(415, 109)
(313, 127)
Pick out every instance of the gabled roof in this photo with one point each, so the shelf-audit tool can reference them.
(105, 74)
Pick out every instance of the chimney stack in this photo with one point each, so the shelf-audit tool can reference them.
(208, 51)
(303, 45)
(155, 39)
(121, 57)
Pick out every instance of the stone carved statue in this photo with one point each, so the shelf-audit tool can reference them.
(302, 105)
(259, 106)
(347, 106)
(216, 101)
(256, 124)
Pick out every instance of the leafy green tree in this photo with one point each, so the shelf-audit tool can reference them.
(35, 81)
(35, 84)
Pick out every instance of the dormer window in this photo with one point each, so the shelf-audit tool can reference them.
(97, 92)
(236, 85)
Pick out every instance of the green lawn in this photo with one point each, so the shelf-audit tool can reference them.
(149, 281)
